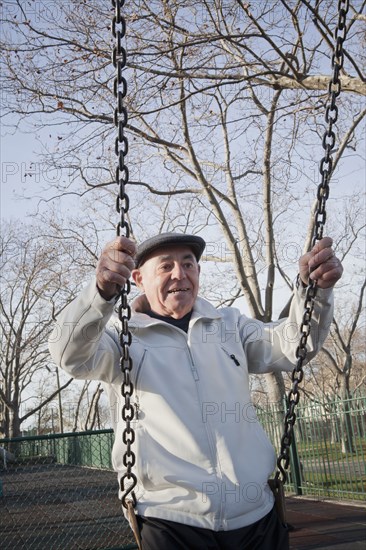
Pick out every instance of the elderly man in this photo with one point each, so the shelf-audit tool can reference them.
(202, 458)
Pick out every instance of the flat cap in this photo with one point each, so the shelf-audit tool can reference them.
(197, 244)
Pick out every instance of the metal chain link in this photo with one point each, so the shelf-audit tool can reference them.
(119, 58)
(325, 169)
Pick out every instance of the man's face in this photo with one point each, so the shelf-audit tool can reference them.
(170, 280)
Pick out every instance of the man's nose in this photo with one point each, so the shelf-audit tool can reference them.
(178, 272)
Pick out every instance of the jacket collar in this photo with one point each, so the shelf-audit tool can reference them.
(201, 309)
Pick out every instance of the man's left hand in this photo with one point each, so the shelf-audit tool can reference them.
(321, 264)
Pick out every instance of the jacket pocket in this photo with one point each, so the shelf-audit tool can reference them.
(138, 414)
(139, 367)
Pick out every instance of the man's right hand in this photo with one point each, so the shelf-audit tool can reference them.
(114, 266)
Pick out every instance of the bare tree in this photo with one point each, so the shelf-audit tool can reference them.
(31, 277)
(342, 354)
(337, 368)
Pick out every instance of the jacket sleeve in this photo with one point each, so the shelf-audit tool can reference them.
(81, 343)
(272, 346)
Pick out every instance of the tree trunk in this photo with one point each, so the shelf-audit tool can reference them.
(93, 409)
(14, 430)
(60, 412)
(78, 406)
(334, 423)
(275, 387)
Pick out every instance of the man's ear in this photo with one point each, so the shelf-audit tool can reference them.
(137, 277)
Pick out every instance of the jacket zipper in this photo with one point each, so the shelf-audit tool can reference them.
(210, 437)
(232, 356)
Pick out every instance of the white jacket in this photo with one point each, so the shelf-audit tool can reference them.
(202, 457)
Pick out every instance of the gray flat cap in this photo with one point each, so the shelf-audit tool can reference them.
(197, 244)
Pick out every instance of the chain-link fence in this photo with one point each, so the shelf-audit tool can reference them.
(59, 491)
(328, 452)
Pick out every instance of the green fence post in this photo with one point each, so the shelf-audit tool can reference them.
(295, 466)
(295, 462)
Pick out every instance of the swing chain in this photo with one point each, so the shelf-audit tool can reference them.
(325, 169)
(331, 116)
(119, 58)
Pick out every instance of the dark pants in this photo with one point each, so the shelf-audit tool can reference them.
(266, 534)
